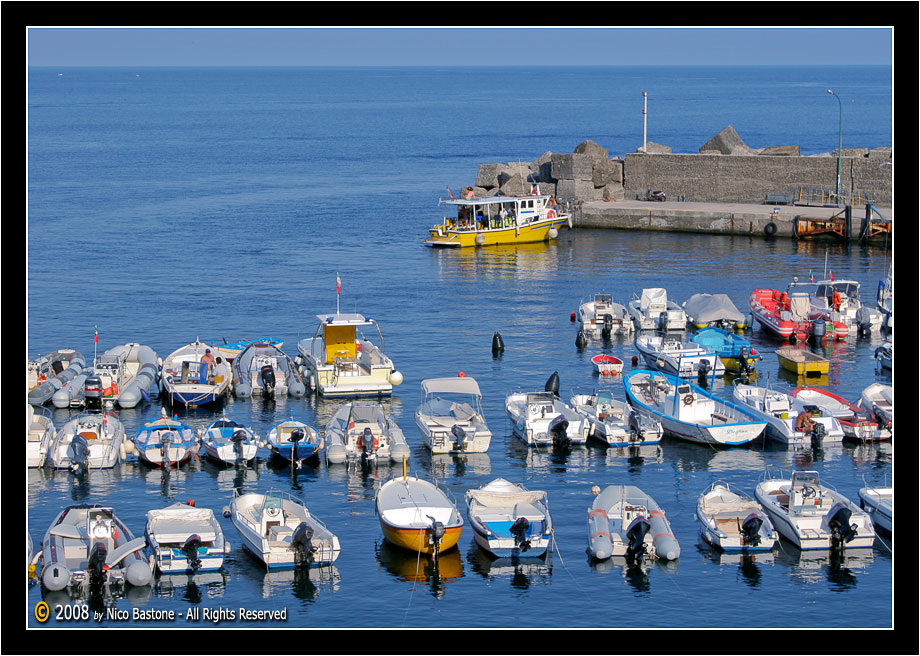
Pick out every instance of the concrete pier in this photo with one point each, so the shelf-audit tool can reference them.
(708, 217)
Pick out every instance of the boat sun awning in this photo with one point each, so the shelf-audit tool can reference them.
(450, 386)
(487, 200)
(342, 319)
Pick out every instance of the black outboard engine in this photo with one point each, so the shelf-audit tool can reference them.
(552, 384)
(237, 439)
(702, 370)
(302, 541)
(838, 521)
(498, 344)
(817, 435)
(635, 534)
(818, 329)
(608, 326)
(190, 549)
(558, 428)
(96, 565)
(92, 392)
(743, 365)
(297, 435)
(750, 530)
(581, 339)
(79, 455)
(435, 534)
(460, 434)
(367, 444)
(267, 376)
(519, 531)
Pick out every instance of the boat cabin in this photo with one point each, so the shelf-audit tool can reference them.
(499, 212)
(336, 341)
(109, 368)
(541, 405)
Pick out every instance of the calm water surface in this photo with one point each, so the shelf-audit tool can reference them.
(222, 204)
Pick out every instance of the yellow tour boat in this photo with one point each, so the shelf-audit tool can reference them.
(499, 220)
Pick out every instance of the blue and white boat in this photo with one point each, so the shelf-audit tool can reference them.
(689, 412)
(294, 441)
(735, 351)
(878, 502)
(884, 354)
(165, 442)
(671, 355)
(229, 442)
(615, 422)
(188, 381)
(509, 520)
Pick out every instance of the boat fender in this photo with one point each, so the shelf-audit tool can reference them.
(688, 400)
(553, 233)
(55, 577)
(226, 546)
(395, 378)
(226, 512)
(552, 383)
(770, 229)
(599, 543)
(138, 573)
(480, 239)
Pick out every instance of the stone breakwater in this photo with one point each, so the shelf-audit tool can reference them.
(725, 170)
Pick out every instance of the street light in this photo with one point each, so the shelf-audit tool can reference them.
(840, 141)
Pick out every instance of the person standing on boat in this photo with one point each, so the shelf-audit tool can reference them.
(221, 370)
(208, 359)
(804, 423)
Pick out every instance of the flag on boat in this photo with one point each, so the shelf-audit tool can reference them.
(338, 284)
(96, 335)
(450, 193)
(832, 276)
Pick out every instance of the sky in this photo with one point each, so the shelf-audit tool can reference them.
(433, 46)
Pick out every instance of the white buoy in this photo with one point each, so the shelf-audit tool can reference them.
(395, 378)
(553, 233)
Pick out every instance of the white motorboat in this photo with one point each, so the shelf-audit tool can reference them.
(39, 436)
(780, 411)
(87, 548)
(127, 373)
(363, 430)
(165, 442)
(91, 440)
(47, 374)
(450, 416)
(838, 300)
(543, 419)
(732, 521)
(857, 424)
(600, 316)
(279, 530)
(714, 310)
(264, 370)
(878, 399)
(672, 356)
(185, 379)
(625, 522)
(185, 539)
(229, 442)
(885, 299)
(653, 311)
(878, 501)
(508, 520)
(812, 515)
(418, 515)
(340, 361)
(615, 422)
(689, 412)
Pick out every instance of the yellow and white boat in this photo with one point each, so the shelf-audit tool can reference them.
(418, 516)
(499, 220)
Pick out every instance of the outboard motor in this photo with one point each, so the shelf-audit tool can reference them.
(302, 541)
(863, 320)
(498, 344)
(608, 326)
(92, 392)
(838, 521)
(519, 531)
(165, 440)
(96, 565)
(552, 384)
(558, 428)
(267, 376)
(581, 339)
(818, 329)
(743, 365)
(817, 435)
(190, 549)
(79, 455)
(702, 370)
(237, 439)
(750, 530)
(635, 534)
(435, 534)
(460, 434)
(297, 435)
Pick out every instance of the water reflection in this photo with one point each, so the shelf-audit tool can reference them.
(450, 465)
(304, 583)
(521, 261)
(192, 589)
(409, 566)
(839, 568)
(636, 574)
(749, 564)
(231, 478)
(632, 456)
(555, 459)
(522, 572)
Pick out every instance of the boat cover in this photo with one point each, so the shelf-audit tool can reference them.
(704, 308)
(655, 297)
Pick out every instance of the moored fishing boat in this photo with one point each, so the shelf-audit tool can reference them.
(498, 220)
(732, 521)
(91, 440)
(87, 548)
(189, 381)
(39, 435)
(229, 442)
(607, 365)
(780, 411)
(857, 423)
(625, 521)
(736, 353)
(600, 316)
(878, 399)
(49, 373)
(813, 515)
(672, 356)
(652, 310)
(508, 520)
(278, 529)
(263, 369)
(543, 419)
(450, 416)
(689, 412)
(362, 430)
(616, 423)
(418, 515)
(165, 442)
(185, 539)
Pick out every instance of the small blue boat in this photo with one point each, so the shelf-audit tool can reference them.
(509, 520)
(294, 441)
(735, 352)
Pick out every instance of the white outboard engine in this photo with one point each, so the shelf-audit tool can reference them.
(838, 521)
(750, 530)
(267, 376)
(635, 534)
(92, 392)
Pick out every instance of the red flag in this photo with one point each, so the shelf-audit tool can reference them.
(338, 284)
(832, 276)
(450, 193)
(96, 336)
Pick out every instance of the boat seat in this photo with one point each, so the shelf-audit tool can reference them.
(729, 525)
(69, 531)
(527, 511)
(279, 532)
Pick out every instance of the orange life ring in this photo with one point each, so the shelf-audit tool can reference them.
(551, 214)
(360, 442)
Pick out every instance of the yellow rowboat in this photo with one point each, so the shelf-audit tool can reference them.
(802, 362)
(418, 516)
(499, 220)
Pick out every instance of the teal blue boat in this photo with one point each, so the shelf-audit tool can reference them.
(730, 347)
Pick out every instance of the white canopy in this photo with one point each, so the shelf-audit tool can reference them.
(451, 386)
(653, 297)
(704, 308)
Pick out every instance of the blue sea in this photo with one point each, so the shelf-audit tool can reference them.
(166, 204)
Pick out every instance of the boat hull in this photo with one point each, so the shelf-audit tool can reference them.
(417, 540)
(534, 232)
(878, 503)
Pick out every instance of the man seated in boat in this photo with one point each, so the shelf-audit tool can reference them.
(804, 423)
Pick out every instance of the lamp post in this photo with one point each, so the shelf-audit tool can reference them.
(645, 125)
(840, 141)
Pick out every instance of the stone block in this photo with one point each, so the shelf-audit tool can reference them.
(852, 152)
(613, 191)
(655, 148)
(574, 190)
(726, 142)
(882, 153)
(488, 175)
(607, 171)
(572, 166)
(781, 151)
(592, 148)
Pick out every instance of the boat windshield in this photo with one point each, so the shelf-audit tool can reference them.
(271, 502)
(603, 299)
(844, 288)
(801, 479)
